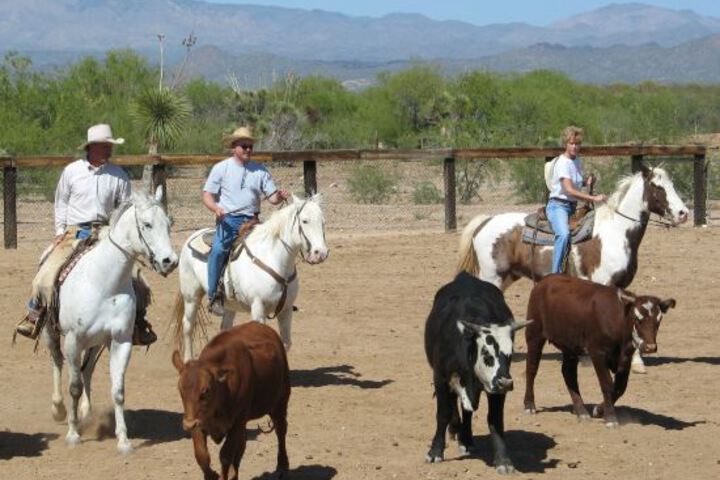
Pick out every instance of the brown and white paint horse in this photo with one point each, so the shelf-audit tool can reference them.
(492, 249)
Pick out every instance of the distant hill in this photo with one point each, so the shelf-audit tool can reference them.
(619, 42)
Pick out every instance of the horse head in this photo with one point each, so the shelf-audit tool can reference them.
(152, 227)
(661, 196)
(308, 225)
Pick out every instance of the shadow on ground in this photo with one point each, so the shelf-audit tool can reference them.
(528, 451)
(304, 472)
(631, 415)
(337, 375)
(15, 444)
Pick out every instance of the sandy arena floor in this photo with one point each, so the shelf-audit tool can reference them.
(362, 405)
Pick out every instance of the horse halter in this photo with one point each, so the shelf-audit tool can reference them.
(307, 245)
(649, 220)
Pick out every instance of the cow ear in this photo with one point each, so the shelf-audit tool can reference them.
(666, 305)
(177, 361)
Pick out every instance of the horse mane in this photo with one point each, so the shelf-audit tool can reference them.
(140, 198)
(273, 227)
(614, 200)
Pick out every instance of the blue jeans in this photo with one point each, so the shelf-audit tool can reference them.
(558, 214)
(225, 232)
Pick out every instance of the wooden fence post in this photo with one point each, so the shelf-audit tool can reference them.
(10, 202)
(636, 163)
(700, 184)
(310, 176)
(159, 178)
(449, 183)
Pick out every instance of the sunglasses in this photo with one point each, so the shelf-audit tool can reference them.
(244, 146)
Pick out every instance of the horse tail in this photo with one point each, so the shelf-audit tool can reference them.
(468, 257)
(178, 314)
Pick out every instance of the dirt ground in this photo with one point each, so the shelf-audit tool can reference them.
(362, 405)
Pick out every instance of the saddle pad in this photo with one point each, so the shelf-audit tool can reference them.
(198, 243)
(581, 233)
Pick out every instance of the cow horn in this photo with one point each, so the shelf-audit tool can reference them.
(518, 324)
(472, 326)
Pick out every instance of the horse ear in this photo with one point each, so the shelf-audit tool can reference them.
(177, 361)
(646, 171)
(159, 193)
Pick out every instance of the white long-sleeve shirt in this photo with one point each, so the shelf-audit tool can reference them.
(88, 194)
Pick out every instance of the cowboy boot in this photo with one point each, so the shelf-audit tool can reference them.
(216, 303)
(31, 325)
(143, 333)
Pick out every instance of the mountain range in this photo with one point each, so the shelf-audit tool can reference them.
(616, 43)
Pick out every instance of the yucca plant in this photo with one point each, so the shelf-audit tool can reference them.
(162, 116)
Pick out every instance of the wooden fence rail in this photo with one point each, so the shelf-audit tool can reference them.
(311, 158)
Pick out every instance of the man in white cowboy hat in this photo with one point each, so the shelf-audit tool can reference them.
(88, 191)
(233, 192)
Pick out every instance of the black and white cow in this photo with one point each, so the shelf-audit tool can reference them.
(469, 344)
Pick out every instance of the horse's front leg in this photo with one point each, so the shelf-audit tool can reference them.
(88, 367)
(257, 311)
(119, 359)
(52, 340)
(285, 326)
(72, 355)
(228, 319)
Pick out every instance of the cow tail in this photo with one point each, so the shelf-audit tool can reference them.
(468, 257)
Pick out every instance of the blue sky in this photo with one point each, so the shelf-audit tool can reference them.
(480, 12)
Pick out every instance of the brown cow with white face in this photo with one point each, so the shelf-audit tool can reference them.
(241, 375)
(582, 317)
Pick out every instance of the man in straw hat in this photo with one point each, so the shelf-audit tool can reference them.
(88, 191)
(232, 192)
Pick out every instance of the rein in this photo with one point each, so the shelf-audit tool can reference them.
(150, 253)
(660, 223)
(275, 275)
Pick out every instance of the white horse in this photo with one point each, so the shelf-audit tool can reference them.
(491, 247)
(97, 307)
(263, 278)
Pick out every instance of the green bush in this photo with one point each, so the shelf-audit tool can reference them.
(426, 193)
(527, 176)
(370, 184)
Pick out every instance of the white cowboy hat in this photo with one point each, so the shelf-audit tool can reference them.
(101, 133)
(240, 133)
(549, 171)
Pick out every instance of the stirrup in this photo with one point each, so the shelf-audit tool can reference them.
(31, 325)
(215, 306)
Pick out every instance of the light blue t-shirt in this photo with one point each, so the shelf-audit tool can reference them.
(565, 167)
(240, 187)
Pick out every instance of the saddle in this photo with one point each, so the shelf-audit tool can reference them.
(538, 231)
(201, 243)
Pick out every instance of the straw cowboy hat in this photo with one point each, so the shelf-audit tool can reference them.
(101, 133)
(240, 133)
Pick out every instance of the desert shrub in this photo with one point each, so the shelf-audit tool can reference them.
(426, 193)
(370, 184)
(527, 177)
(38, 183)
(470, 175)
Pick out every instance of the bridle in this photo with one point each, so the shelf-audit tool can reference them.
(148, 251)
(650, 220)
(306, 244)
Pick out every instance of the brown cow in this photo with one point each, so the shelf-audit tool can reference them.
(582, 317)
(241, 375)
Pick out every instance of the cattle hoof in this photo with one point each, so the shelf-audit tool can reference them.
(612, 424)
(59, 412)
(72, 439)
(530, 411)
(583, 417)
(430, 458)
(638, 368)
(124, 448)
(505, 469)
(597, 411)
(464, 449)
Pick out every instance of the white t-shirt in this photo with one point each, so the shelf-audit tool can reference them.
(88, 194)
(565, 167)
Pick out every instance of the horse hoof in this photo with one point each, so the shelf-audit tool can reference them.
(124, 447)
(72, 439)
(59, 413)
